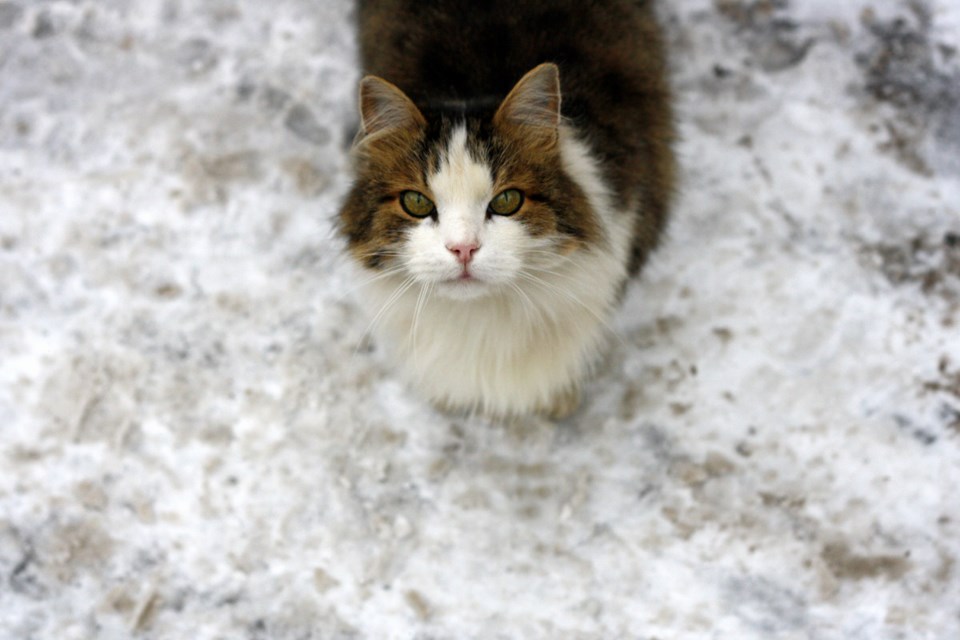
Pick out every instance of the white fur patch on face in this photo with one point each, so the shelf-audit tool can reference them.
(461, 189)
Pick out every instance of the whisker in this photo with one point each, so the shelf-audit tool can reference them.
(529, 308)
(560, 291)
(379, 276)
(556, 260)
(391, 253)
(403, 288)
(421, 299)
(573, 298)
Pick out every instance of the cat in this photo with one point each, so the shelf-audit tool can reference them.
(514, 168)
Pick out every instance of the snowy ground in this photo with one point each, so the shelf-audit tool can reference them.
(197, 442)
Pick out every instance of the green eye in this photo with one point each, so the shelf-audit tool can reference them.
(416, 204)
(507, 203)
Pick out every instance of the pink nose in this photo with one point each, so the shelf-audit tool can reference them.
(464, 252)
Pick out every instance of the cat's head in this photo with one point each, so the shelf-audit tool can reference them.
(469, 201)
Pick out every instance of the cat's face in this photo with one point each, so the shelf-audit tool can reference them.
(466, 205)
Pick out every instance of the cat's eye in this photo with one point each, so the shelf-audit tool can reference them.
(506, 203)
(416, 204)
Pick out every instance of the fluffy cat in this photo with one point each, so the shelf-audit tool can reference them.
(513, 169)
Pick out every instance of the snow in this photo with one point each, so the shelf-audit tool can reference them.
(198, 440)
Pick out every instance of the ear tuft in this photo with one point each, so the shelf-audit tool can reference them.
(534, 101)
(384, 107)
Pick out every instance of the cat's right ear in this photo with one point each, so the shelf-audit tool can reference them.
(384, 108)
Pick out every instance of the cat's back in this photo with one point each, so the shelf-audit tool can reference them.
(612, 71)
(462, 48)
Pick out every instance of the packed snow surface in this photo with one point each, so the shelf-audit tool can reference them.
(199, 440)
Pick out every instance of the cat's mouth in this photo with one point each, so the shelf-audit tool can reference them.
(465, 279)
(464, 286)
(465, 276)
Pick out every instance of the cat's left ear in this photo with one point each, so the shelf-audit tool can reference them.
(534, 103)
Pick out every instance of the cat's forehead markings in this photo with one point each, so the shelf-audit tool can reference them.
(461, 179)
